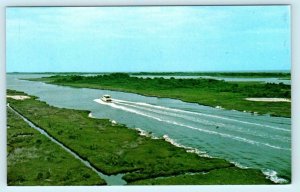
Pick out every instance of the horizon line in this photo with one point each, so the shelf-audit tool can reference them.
(234, 71)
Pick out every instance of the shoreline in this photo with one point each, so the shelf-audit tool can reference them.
(266, 99)
(271, 174)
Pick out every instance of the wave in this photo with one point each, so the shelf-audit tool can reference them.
(145, 133)
(91, 115)
(188, 149)
(273, 176)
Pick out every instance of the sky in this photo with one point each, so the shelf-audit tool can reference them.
(159, 38)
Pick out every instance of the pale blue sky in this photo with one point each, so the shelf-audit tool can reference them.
(130, 39)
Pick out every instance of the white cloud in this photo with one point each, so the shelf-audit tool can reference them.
(112, 21)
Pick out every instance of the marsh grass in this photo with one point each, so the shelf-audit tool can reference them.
(33, 159)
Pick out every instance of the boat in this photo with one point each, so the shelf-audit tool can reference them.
(106, 98)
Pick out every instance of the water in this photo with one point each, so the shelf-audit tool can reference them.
(261, 142)
(229, 79)
(109, 179)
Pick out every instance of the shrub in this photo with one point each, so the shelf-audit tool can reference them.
(39, 176)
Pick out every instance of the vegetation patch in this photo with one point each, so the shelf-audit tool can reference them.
(282, 75)
(33, 159)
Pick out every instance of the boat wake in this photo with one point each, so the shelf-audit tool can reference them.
(170, 116)
(197, 113)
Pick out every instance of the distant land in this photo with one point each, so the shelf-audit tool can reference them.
(178, 73)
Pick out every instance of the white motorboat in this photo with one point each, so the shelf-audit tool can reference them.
(106, 98)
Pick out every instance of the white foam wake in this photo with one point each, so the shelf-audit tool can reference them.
(172, 114)
(202, 121)
(190, 127)
(202, 114)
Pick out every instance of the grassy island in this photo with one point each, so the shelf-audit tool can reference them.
(210, 92)
(112, 148)
(284, 75)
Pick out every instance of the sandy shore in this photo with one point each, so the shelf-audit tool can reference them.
(18, 97)
(269, 99)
